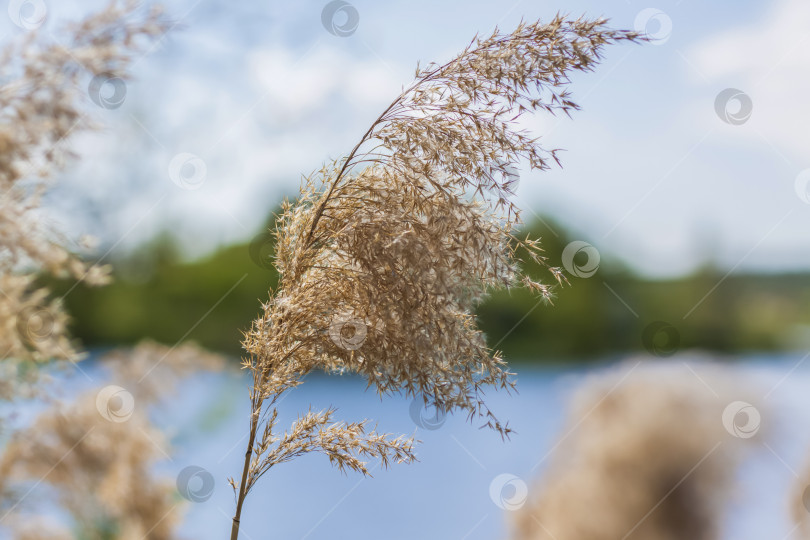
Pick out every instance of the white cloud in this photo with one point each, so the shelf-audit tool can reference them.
(303, 83)
(257, 126)
(769, 61)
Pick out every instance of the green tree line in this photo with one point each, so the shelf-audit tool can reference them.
(212, 300)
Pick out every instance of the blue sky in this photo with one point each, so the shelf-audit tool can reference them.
(262, 92)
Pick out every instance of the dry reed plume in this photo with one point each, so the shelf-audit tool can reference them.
(42, 106)
(105, 451)
(645, 456)
(78, 451)
(386, 253)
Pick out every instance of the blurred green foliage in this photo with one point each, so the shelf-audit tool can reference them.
(212, 300)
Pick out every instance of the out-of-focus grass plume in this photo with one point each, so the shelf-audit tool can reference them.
(41, 109)
(644, 455)
(97, 453)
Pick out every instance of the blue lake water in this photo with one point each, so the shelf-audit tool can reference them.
(446, 494)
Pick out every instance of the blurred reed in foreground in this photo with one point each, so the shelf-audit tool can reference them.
(96, 453)
(649, 452)
(42, 107)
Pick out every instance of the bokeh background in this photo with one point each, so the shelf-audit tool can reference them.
(693, 198)
(681, 214)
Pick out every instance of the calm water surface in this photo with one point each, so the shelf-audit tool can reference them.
(446, 495)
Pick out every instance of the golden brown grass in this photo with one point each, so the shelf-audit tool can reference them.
(385, 254)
